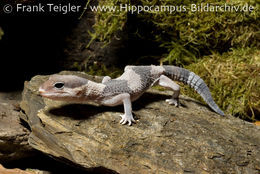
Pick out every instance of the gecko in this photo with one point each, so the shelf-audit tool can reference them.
(126, 88)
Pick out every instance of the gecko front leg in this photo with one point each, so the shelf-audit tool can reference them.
(119, 99)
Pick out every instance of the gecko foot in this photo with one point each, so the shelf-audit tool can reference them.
(173, 101)
(127, 118)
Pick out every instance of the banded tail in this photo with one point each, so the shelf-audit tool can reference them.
(194, 81)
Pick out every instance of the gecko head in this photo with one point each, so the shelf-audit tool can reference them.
(63, 87)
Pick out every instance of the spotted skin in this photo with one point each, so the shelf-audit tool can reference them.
(115, 87)
(128, 87)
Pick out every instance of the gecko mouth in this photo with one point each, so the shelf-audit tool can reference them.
(43, 92)
(52, 95)
(47, 94)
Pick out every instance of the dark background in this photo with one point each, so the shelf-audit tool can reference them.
(32, 44)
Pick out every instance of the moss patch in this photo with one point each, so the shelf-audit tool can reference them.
(99, 69)
(234, 80)
(186, 35)
(108, 21)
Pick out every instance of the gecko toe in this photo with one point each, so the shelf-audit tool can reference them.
(126, 118)
(173, 101)
(124, 122)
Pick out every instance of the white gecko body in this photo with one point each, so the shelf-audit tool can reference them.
(128, 87)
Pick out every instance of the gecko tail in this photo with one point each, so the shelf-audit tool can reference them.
(194, 81)
(200, 87)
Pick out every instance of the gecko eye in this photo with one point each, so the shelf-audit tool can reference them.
(59, 85)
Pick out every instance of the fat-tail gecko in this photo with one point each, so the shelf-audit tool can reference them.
(127, 88)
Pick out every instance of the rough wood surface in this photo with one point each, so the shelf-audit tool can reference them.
(165, 139)
(13, 135)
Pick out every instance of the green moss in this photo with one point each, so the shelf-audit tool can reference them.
(100, 69)
(234, 80)
(108, 22)
(186, 36)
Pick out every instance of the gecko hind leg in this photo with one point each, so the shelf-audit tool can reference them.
(168, 83)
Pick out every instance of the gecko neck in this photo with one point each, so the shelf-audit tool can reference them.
(93, 91)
